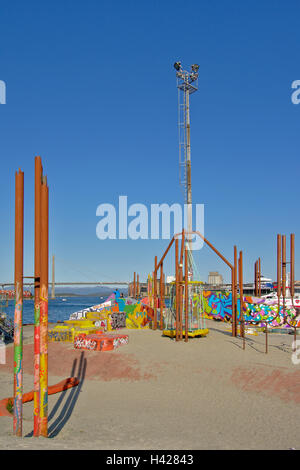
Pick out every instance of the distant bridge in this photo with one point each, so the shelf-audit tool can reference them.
(112, 283)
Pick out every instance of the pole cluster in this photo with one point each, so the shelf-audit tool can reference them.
(41, 256)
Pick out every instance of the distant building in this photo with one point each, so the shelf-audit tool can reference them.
(215, 279)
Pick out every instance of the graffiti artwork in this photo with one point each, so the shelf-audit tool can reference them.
(259, 311)
(99, 342)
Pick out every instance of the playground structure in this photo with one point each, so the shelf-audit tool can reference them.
(243, 312)
(183, 287)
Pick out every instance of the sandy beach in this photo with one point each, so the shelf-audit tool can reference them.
(155, 393)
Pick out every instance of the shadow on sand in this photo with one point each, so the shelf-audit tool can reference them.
(72, 397)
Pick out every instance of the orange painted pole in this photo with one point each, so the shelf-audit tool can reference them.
(44, 310)
(186, 296)
(279, 284)
(161, 322)
(292, 265)
(255, 279)
(259, 278)
(37, 274)
(155, 293)
(18, 319)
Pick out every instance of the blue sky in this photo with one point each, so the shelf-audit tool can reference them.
(91, 88)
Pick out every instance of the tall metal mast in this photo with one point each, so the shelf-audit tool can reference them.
(187, 83)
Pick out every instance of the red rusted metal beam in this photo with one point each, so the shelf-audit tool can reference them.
(214, 249)
(165, 253)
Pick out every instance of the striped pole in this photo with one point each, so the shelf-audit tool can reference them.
(37, 274)
(44, 311)
(18, 319)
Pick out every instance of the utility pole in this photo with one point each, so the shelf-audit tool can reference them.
(187, 83)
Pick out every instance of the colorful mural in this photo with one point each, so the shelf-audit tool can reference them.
(259, 311)
(117, 313)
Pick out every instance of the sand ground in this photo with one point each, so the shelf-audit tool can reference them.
(156, 393)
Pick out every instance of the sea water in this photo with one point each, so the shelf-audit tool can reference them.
(58, 310)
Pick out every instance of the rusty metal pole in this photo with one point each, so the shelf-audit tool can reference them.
(242, 329)
(161, 297)
(186, 295)
(155, 293)
(44, 309)
(279, 270)
(292, 275)
(18, 318)
(256, 278)
(176, 290)
(137, 286)
(37, 275)
(292, 266)
(259, 278)
(134, 286)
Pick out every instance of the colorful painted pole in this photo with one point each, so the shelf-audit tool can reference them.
(242, 329)
(177, 290)
(235, 270)
(186, 295)
(37, 274)
(44, 310)
(18, 319)
(181, 284)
